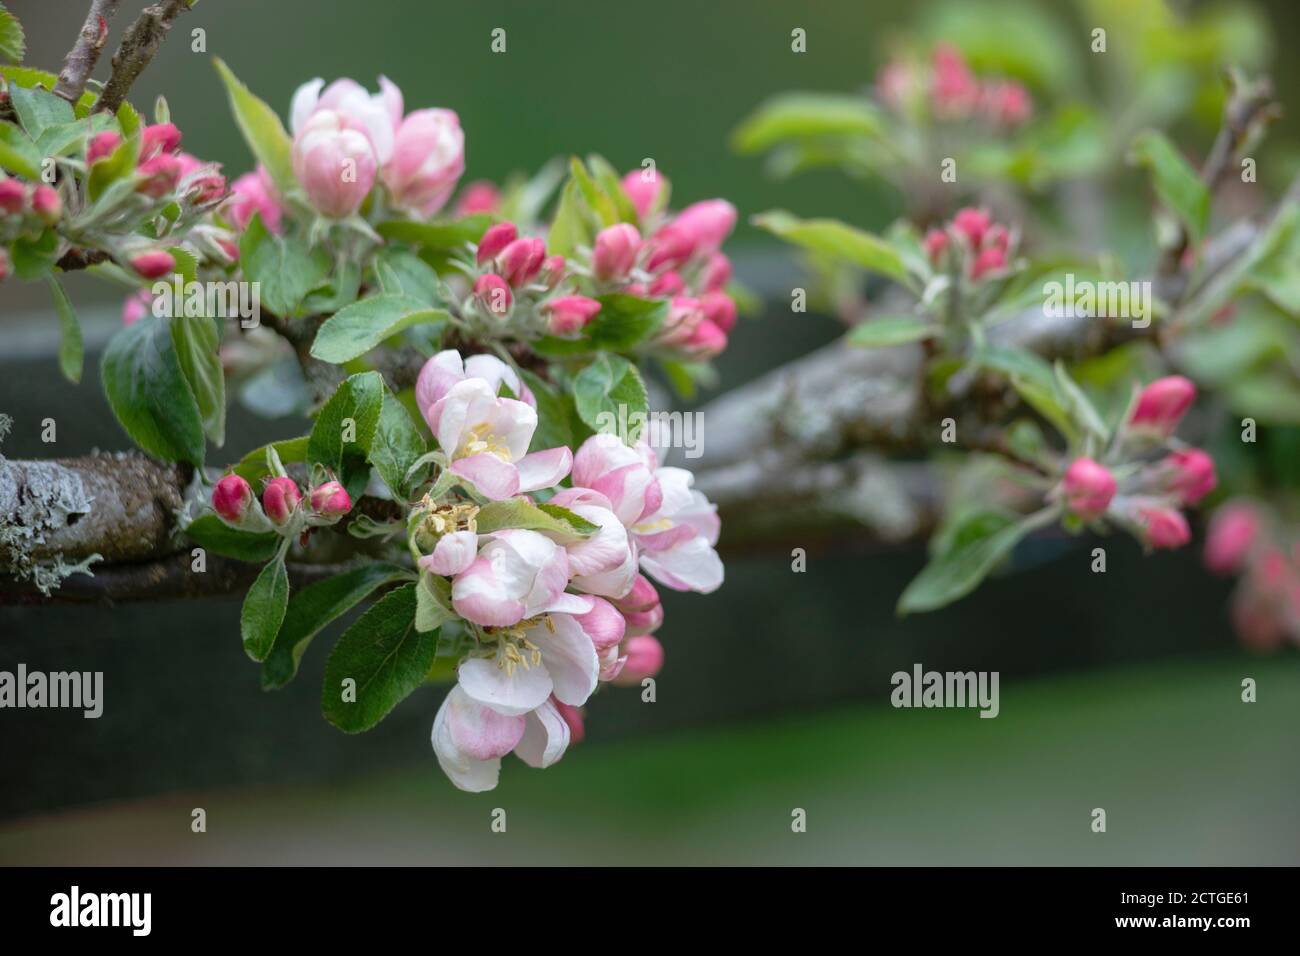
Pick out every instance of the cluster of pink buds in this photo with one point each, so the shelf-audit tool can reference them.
(282, 503)
(25, 210)
(1244, 540)
(346, 141)
(983, 248)
(1153, 480)
(953, 90)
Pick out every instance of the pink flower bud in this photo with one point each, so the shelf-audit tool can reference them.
(254, 193)
(717, 273)
(158, 139)
(330, 499)
(615, 251)
(521, 261)
(335, 164)
(645, 658)
(720, 309)
(603, 624)
(936, 243)
(707, 223)
(231, 498)
(553, 271)
(1088, 488)
(954, 90)
(12, 196)
(990, 259)
(1165, 527)
(1162, 404)
(997, 237)
(644, 622)
(203, 184)
(1007, 103)
(47, 204)
(642, 597)
(707, 341)
(493, 294)
(136, 306)
(1191, 475)
(573, 717)
(569, 313)
(972, 223)
(479, 196)
(153, 264)
(1232, 534)
(280, 498)
(643, 188)
(427, 162)
(684, 317)
(669, 248)
(668, 284)
(494, 240)
(102, 145)
(158, 175)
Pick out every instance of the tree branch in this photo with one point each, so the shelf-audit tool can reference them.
(137, 49)
(81, 59)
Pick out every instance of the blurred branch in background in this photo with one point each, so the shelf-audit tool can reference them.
(81, 59)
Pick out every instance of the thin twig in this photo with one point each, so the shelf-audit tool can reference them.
(138, 47)
(81, 59)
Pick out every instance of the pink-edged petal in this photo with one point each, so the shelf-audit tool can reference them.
(453, 553)
(572, 497)
(544, 469)
(569, 604)
(510, 691)
(305, 100)
(481, 732)
(611, 663)
(488, 593)
(391, 97)
(664, 540)
(491, 477)
(604, 550)
(466, 772)
(437, 376)
(691, 566)
(546, 737)
(569, 657)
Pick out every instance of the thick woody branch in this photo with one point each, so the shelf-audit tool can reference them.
(81, 59)
(138, 48)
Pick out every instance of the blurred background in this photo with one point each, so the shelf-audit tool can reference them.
(1119, 690)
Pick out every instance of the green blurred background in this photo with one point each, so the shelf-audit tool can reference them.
(1118, 691)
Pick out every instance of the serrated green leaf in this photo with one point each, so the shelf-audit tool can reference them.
(212, 534)
(888, 330)
(313, 608)
(363, 325)
(197, 340)
(262, 130)
(519, 513)
(18, 154)
(382, 657)
(39, 109)
(252, 467)
(13, 42)
(794, 116)
(340, 440)
(285, 268)
(396, 447)
(610, 392)
(148, 392)
(72, 350)
(439, 236)
(1180, 189)
(264, 608)
(839, 240)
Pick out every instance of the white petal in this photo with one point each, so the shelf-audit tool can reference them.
(511, 692)
(304, 102)
(546, 737)
(464, 771)
(569, 656)
(689, 566)
(544, 469)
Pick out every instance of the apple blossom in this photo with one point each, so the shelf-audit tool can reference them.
(567, 314)
(1161, 406)
(254, 193)
(428, 158)
(454, 552)
(615, 251)
(517, 574)
(1088, 488)
(470, 738)
(1191, 474)
(643, 188)
(1233, 533)
(232, 497)
(447, 368)
(1164, 527)
(158, 139)
(153, 264)
(335, 164)
(102, 145)
(492, 293)
(521, 260)
(330, 500)
(480, 196)
(280, 498)
(376, 115)
(645, 658)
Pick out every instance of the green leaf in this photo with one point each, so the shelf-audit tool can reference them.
(253, 468)
(313, 608)
(397, 445)
(839, 240)
(608, 392)
(128, 119)
(519, 513)
(64, 138)
(264, 608)
(35, 258)
(114, 168)
(212, 534)
(1033, 379)
(792, 116)
(340, 439)
(437, 236)
(71, 348)
(286, 269)
(147, 391)
(554, 414)
(262, 130)
(594, 196)
(18, 154)
(955, 573)
(39, 109)
(890, 330)
(365, 324)
(1177, 184)
(569, 227)
(413, 277)
(13, 43)
(1077, 405)
(383, 657)
(197, 340)
(608, 179)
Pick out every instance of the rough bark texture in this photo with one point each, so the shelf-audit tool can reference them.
(81, 59)
(138, 47)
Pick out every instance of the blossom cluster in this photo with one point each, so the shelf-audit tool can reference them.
(1245, 539)
(952, 91)
(1146, 477)
(977, 246)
